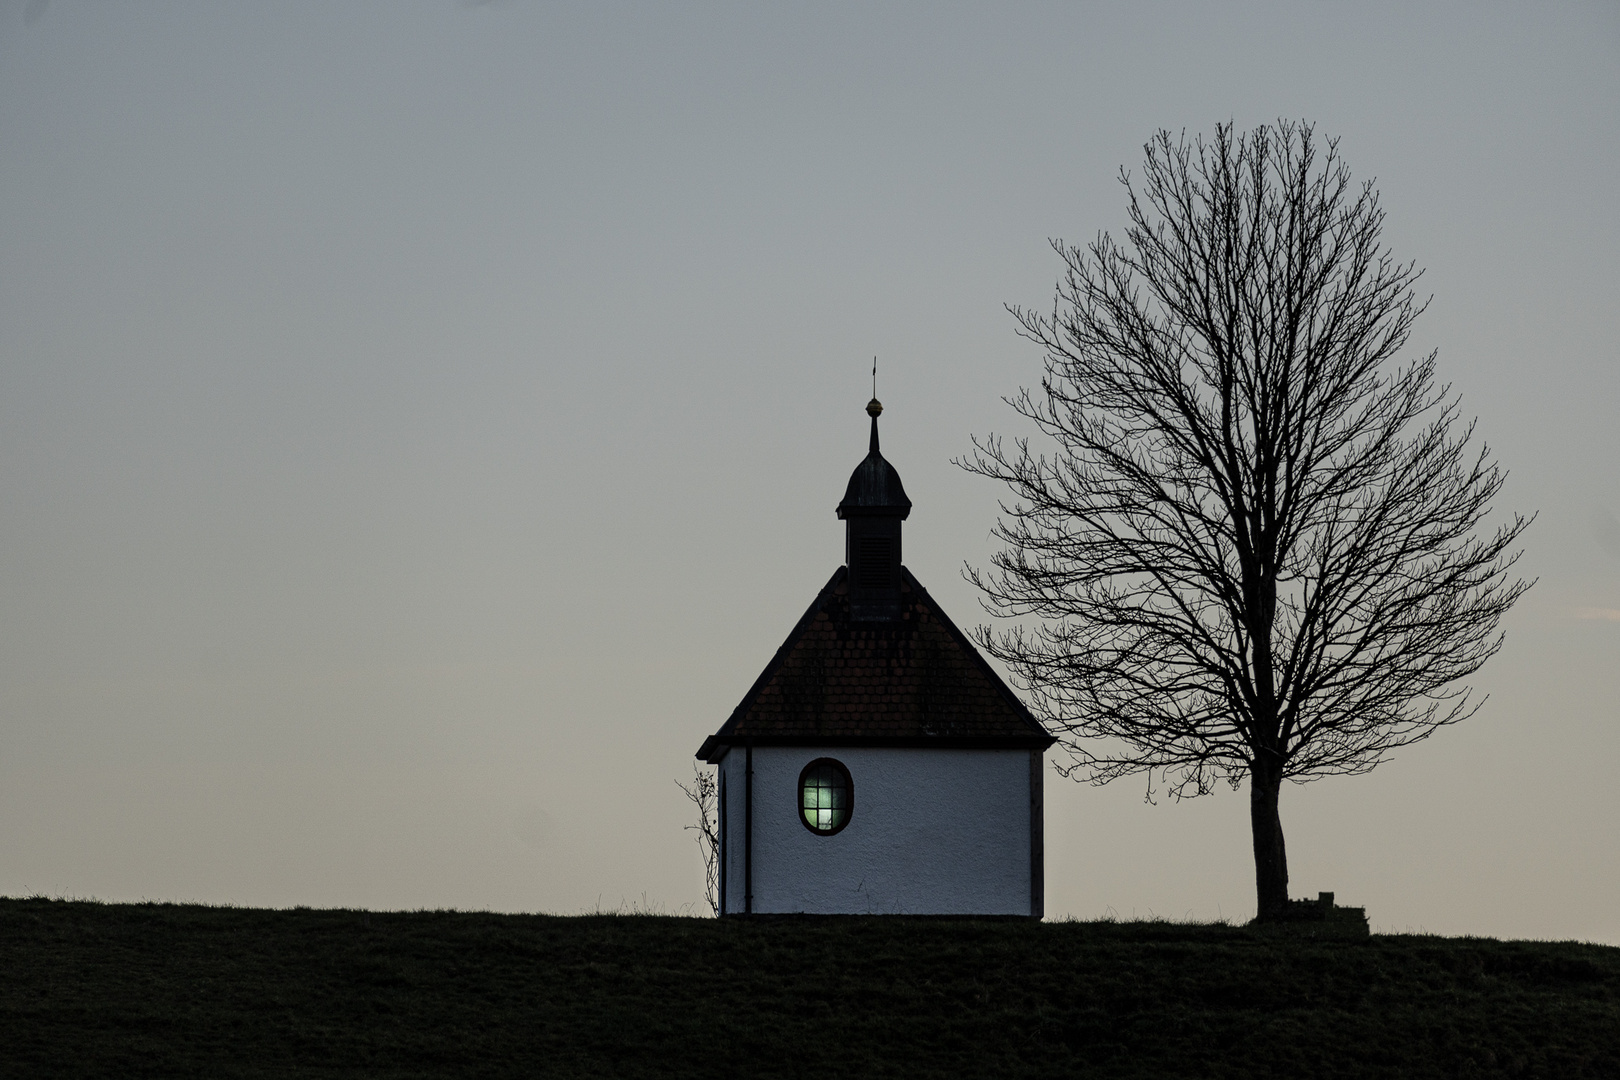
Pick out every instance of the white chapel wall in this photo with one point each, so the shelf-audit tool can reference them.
(933, 832)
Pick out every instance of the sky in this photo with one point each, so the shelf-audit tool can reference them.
(421, 421)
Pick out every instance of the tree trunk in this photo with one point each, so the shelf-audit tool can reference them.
(1270, 857)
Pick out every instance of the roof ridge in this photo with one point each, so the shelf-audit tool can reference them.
(774, 663)
(889, 683)
(972, 650)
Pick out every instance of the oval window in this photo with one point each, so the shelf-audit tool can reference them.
(826, 796)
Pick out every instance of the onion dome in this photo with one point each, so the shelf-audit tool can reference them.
(874, 487)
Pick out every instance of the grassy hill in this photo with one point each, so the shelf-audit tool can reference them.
(171, 990)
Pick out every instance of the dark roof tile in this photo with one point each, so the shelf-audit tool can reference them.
(916, 680)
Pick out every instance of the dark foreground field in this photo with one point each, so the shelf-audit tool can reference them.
(163, 990)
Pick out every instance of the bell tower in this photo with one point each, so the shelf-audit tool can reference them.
(874, 505)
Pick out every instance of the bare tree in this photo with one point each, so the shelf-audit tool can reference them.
(703, 793)
(1252, 545)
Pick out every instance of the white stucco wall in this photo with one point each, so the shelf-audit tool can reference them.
(934, 832)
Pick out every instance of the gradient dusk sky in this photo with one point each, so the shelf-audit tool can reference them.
(420, 422)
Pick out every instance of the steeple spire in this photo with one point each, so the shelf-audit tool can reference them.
(874, 505)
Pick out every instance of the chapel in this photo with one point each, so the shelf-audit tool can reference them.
(879, 765)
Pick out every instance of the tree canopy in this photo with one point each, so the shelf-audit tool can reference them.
(1250, 536)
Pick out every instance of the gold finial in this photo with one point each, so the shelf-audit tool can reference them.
(874, 406)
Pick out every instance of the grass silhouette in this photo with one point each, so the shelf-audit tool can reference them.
(168, 990)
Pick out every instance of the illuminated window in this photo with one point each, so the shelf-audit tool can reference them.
(826, 796)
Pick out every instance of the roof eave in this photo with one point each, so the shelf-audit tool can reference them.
(706, 752)
(712, 751)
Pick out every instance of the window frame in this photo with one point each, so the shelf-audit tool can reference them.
(849, 790)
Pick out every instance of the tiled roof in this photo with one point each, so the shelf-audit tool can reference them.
(914, 681)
